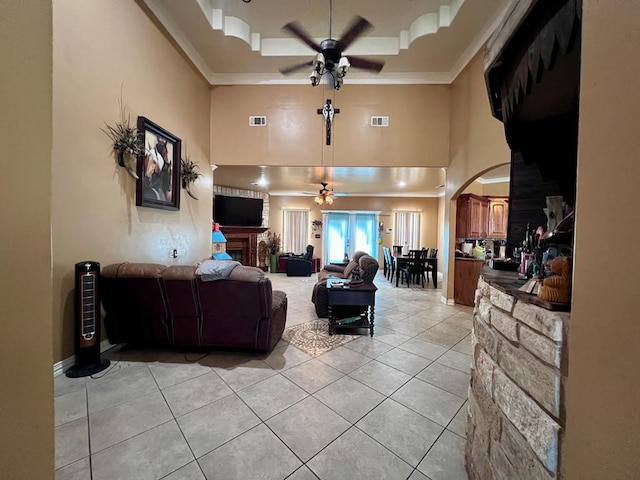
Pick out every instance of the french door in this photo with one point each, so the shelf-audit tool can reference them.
(348, 232)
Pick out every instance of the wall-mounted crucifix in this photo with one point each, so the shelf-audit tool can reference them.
(327, 111)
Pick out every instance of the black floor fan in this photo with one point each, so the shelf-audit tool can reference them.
(87, 320)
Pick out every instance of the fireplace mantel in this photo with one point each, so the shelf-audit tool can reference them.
(244, 239)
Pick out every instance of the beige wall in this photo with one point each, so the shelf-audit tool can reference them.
(26, 415)
(488, 189)
(100, 50)
(477, 144)
(385, 205)
(496, 189)
(603, 414)
(418, 132)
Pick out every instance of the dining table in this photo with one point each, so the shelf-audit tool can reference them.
(401, 260)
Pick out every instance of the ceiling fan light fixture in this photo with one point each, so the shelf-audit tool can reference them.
(329, 59)
(315, 78)
(343, 65)
(324, 195)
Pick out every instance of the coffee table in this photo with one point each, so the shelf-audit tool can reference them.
(341, 293)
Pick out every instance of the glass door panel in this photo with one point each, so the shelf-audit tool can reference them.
(348, 233)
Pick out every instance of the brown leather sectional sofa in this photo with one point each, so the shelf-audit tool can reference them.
(368, 269)
(155, 305)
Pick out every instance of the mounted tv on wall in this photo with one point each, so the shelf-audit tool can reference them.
(237, 211)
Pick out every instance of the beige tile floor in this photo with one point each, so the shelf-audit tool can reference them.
(388, 407)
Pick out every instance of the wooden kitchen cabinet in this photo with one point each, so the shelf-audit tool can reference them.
(498, 217)
(472, 216)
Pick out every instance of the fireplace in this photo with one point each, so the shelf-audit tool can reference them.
(517, 416)
(242, 243)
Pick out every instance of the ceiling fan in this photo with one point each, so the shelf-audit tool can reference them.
(330, 58)
(324, 195)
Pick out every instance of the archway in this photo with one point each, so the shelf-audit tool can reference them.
(489, 184)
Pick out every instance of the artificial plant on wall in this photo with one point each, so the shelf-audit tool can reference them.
(126, 141)
(189, 174)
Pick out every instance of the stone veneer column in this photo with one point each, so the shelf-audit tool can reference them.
(516, 418)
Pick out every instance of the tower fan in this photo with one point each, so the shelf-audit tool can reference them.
(87, 320)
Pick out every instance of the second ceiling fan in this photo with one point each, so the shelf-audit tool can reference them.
(330, 58)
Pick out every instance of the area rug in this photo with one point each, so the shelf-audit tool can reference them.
(313, 338)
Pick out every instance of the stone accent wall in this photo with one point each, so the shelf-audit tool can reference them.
(515, 421)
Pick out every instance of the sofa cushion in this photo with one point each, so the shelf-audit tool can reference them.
(243, 273)
(333, 268)
(358, 254)
(278, 297)
(369, 267)
(349, 268)
(179, 272)
(140, 270)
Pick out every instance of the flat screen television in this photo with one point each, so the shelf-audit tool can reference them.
(237, 211)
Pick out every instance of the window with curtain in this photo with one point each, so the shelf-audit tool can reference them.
(348, 232)
(407, 231)
(295, 230)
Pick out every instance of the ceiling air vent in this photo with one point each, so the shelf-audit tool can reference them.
(380, 121)
(257, 121)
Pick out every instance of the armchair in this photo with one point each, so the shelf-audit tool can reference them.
(301, 266)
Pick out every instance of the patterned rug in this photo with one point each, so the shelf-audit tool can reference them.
(313, 337)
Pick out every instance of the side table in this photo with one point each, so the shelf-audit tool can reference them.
(340, 293)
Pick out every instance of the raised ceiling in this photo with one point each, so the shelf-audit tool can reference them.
(237, 42)
(234, 42)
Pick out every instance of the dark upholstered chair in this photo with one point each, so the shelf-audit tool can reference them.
(301, 266)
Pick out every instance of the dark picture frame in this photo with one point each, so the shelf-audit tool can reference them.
(158, 169)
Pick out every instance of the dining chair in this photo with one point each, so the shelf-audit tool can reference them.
(433, 253)
(391, 264)
(413, 267)
(386, 261)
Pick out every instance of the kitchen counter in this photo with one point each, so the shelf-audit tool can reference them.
(467, 273)
(510, 282)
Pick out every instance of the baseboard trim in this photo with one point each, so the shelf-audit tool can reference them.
(63, 365)
(447, 301)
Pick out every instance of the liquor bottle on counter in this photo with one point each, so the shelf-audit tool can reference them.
(527, 253)
(527, 247)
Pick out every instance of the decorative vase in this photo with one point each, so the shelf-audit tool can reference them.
(273, 263)
(128, 161)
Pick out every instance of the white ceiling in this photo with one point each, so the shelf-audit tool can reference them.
(235, 42)
(351, 181)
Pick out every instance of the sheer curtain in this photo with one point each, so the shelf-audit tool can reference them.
(295, 230)
(407, 231)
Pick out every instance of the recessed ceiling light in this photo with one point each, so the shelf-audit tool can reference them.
(401, 184)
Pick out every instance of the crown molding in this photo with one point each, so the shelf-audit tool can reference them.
(485, 181)
(338, 196)
(439, 78)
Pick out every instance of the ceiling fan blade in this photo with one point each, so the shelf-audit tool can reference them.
(294, 68)
(366, 64)
(357, 27)
(296, 29)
